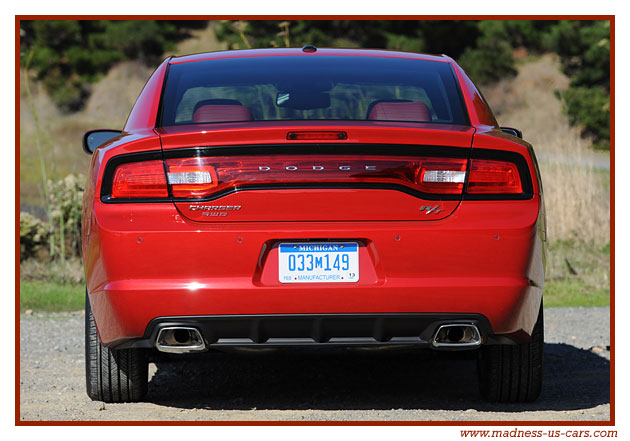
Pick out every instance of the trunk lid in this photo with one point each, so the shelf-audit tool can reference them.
(372, 174)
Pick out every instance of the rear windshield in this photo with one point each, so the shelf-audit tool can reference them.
(279, 88)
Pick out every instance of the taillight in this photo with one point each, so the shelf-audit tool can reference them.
(494, 177)
(202, 177)
(191, 177)
(199, 177)
(139, 180)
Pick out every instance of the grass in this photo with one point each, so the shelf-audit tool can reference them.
(577, 274)
(51, 296)
(54, 296)
(572, 292)
(51, 286)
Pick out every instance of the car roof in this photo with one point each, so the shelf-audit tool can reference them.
(300, 52)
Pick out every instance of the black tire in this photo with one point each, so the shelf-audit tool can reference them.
(112, 376)
(513, 373)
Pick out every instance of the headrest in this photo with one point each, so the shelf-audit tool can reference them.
(399, 111)
(221, 113)
(218, 102)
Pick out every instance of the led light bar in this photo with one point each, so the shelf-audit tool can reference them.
(317, 135)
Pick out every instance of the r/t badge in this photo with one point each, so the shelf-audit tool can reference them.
(429, 209)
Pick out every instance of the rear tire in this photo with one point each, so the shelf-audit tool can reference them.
(112, 376)
(513, 373)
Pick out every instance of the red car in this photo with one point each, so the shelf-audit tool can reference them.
(312, 197)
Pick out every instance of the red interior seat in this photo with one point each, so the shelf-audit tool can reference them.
(219, 112)
(400, 111)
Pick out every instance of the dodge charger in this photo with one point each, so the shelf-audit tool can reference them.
(312, 197)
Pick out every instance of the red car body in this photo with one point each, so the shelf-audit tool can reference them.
(146, 261)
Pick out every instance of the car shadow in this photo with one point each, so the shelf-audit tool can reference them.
(352, 379)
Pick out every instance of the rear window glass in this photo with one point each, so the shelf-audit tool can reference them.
(276, 88)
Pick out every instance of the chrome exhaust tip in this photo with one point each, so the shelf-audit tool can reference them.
(179, 340)
(456, 335)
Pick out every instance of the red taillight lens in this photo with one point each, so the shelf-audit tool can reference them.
(494, 177)
(139, 180)
(191, 177)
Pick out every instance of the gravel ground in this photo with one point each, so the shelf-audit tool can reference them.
(307, 385)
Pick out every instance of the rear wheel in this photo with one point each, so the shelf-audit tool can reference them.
(112, 376)
(513, 373)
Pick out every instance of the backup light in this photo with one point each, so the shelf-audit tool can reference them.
(191, 177)
(453, 176)
(442, 176)
(195, 177)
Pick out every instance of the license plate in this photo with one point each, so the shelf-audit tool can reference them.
(318, 262)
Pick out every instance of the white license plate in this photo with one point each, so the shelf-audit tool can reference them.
(318, 262)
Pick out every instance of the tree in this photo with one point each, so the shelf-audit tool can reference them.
(584, 48)
(68, 55)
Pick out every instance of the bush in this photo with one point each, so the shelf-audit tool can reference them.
(61, 235)
(33, 235)
(590, 108)
(65, 198)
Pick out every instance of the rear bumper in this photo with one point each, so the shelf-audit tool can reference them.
(281, 330)
(150, 264)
